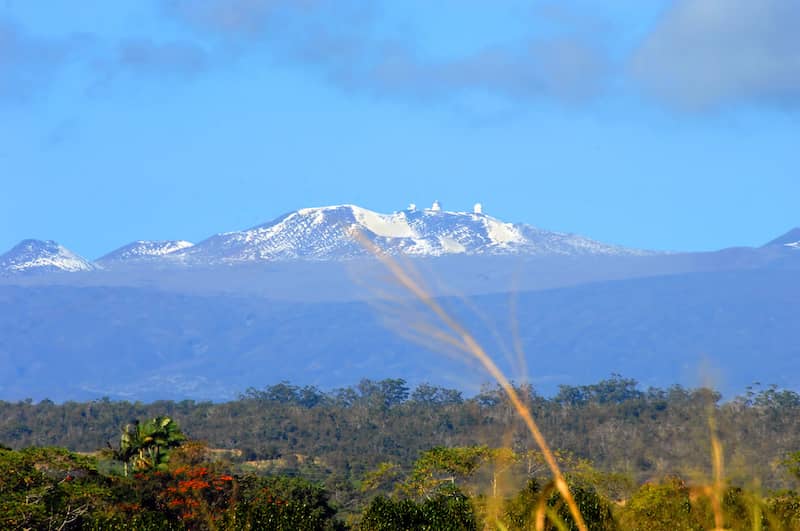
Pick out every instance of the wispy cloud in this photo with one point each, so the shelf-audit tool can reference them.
(28, 63)
(342, 41)
(711, 54)
(61, 133)
(248, 18)
(700, 55)
(144, 56)
(563, 69)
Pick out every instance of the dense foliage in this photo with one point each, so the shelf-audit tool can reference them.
(55, 489)
(379, 453)
(50, 488)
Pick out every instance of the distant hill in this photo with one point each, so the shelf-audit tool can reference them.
(65, 342)
(40, 256)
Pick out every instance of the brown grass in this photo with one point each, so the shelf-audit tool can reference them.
(451, 333)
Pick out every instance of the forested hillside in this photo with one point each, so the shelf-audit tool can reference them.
(339, 436)
(380, 455)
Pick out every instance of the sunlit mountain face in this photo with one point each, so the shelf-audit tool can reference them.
(329, 233)
(39, 256)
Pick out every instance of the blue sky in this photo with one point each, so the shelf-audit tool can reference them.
(662, 124)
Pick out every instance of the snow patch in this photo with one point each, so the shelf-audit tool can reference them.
(502, 233)
(176, 246)
(449, 245)
(145, 250)
(392, 226)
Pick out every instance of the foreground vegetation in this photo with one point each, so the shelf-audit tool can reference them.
(382, 456)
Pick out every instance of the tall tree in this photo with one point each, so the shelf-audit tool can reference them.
(156, 437)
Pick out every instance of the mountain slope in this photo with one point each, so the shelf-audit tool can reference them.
(143, 250)
(64, 342)
(327, 233)
(790, 239)
(40, 256)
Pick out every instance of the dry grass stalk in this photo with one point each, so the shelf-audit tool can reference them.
(715, 490)
(456, 336)
(718, 485)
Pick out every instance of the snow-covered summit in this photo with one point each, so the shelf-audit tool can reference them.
(144, 250)
(327, 233)
(45, 256)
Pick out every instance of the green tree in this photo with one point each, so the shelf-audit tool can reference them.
(129, 445)
(156, 437)
(49, 488)
(440, 466)
(284, 504)
(146, 446)
(521, 511)
(664, 506)
(448, 510)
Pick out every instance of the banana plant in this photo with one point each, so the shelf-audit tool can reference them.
(146, 446)
(156, 437)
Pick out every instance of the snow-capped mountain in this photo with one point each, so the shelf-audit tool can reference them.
(791, 239)
(35, 256)
(143, 250)
(327, 233)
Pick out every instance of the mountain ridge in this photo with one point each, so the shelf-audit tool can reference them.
(143, 250)
(42, 256)
(789, 239)
(327, 233)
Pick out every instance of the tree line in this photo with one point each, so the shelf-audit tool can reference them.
(191, 487)
(342, 437)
